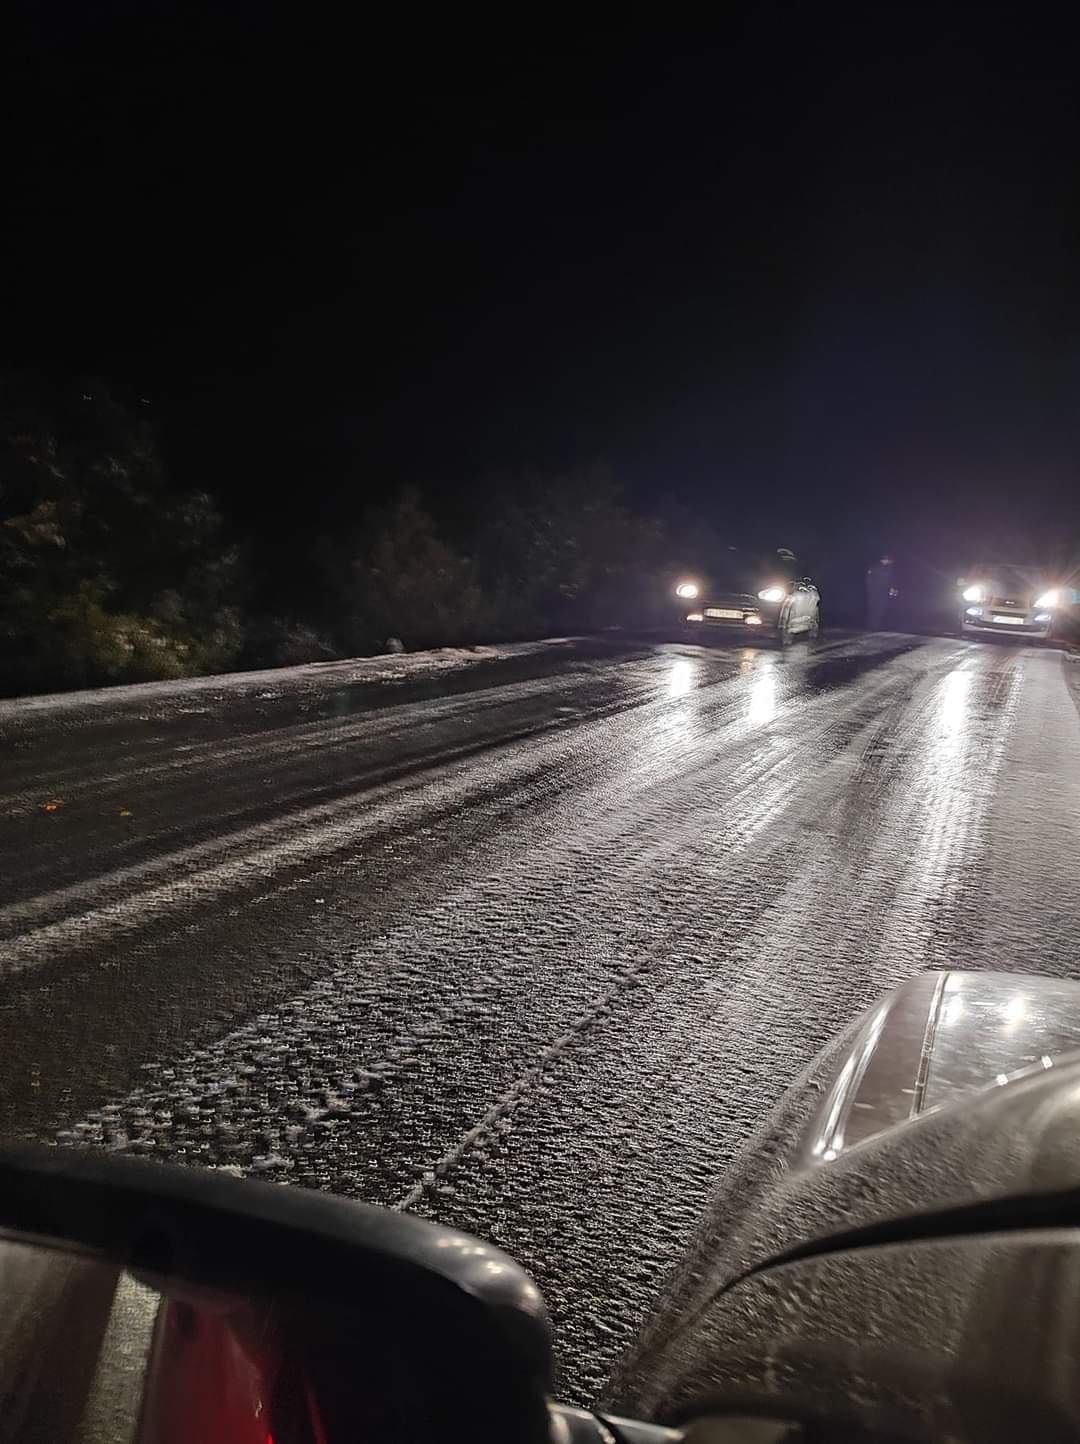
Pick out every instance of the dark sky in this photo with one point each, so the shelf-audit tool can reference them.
(812, 259)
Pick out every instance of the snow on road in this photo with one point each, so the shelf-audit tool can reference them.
(532, 959)
(273, 682)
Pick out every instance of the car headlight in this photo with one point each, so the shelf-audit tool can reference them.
(772, 594)
(686, 589)
(973, 594)
(1048, 599)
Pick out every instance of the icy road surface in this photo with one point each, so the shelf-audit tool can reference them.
(526, 941)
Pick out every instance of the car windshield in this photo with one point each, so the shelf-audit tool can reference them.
(745, 571)
(1017, 578)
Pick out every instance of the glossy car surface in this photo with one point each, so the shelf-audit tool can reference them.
(746, 595)
(897, 1255)
(1011, 599)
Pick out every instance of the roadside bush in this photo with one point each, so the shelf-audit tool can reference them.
(108, 574)
(408, 582)
(566, 554)
(285, 642)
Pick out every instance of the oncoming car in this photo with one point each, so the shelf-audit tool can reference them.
(751, 595)
(1008, 597)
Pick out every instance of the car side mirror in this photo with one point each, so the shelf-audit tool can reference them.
(170, 1305)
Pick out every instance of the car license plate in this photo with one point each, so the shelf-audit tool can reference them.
(1013, 621)
(726, 613)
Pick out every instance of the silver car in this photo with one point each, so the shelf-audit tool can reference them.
(1010, 598)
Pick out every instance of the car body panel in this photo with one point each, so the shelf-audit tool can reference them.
(956, 1089)
(969, 1339)
(1024, 626)
(936, 1040)
(954, 1103)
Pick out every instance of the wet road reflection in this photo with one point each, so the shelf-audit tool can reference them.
(763, 695)
(954, 698)
(509, 955)
(682, 677)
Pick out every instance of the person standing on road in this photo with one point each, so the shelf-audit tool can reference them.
(881, 593)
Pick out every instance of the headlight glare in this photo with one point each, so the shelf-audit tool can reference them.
(1048, 599)
(687, 589)
(973, 594)
(772, 594)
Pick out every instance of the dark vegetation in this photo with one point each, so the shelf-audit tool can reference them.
(112, 572)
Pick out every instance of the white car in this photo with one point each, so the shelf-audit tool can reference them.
(1009, 598)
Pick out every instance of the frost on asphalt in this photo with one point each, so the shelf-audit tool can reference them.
(620, 926)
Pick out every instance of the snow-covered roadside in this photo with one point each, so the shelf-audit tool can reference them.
(275, 681)
(1070, 660)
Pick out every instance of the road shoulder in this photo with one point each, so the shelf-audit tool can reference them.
(1070, 662)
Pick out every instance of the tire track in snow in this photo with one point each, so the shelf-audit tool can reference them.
(678, 1078)
(96, 910)
(618, 842)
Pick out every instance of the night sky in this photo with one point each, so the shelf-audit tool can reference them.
(812, 264)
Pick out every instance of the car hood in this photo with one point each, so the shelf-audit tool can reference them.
(958, 1089)
(936, 1041)
(1014, 583)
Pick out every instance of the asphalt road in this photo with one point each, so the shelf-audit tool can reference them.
(528, 944)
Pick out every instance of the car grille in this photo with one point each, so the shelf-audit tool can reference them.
(740, 600)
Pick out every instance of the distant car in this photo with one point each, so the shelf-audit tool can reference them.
(746, 595)
(1011, 598)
